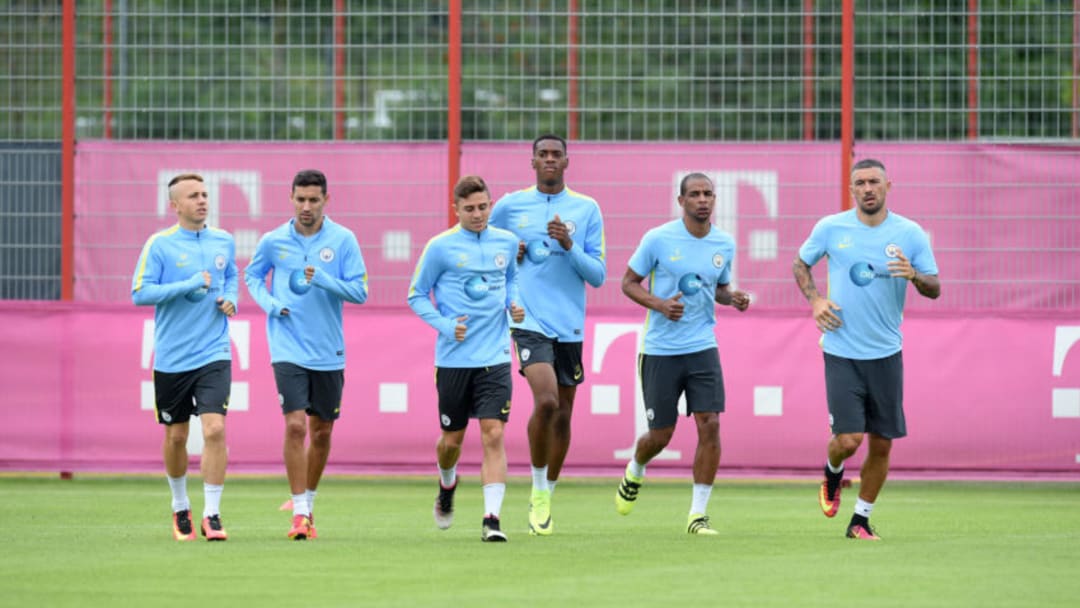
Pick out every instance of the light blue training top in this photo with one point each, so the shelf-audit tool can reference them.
(676, 261)
(189, 329)
(471, 274)
(311, 335)
(871, 302)
(553, 279)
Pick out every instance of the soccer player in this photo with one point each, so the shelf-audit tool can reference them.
(688, 262)
(316, 266)
(188, 274)
(873, 254)
(561, 247)
(471, 270)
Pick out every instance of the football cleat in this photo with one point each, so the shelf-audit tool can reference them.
(830, 506)
(181, 525)
(301, 528)
(212, 529)
(627, 493)
(444, 506)
(311, 526)
(862, 532)
(540, 513)
(698, 523)
(490, 532)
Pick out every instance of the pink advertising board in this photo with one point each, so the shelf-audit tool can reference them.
(1001, 216)
(993, 394)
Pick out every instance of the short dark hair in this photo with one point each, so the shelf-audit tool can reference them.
(310, 177)
(183, 177)
(467, 186)
(549, 136)
(868, 163)
(690, 176)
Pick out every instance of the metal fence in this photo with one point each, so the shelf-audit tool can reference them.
(723, 72)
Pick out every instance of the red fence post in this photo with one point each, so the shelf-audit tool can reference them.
(847, 99)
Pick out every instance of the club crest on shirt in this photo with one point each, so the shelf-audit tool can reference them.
(500, 260)
(718, 260)
(892, 250)
(219, 262)
(326, 254)
(571, 227)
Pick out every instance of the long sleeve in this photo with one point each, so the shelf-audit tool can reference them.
(423, 281)
(589, 260)
(352, 287)
(145, 289)
(231, 289)
(255, 277)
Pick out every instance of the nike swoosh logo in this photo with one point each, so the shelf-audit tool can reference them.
(546, 524)
(843, 245)
(182, 264)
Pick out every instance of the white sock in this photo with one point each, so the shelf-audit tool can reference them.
(551, 485)
(178, 486)
(832, 469)
(300, 504)
(539, 478)
(493, 498)
(864, 508)
(635, 468)
(310, 494)
(448, 477)
(213, 499)
(700, 501)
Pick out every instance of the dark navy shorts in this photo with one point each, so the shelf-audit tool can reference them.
(866, 395)
(179, 396)
(472, 392)
(317, 392)
(565, 357)
(665, 377)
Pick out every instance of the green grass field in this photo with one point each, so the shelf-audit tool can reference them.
(106, 541)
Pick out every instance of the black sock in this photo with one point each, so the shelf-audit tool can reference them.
(832, 481)
(860, 520)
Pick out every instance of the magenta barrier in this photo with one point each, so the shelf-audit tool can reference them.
(992, 394)
(1002, 217)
